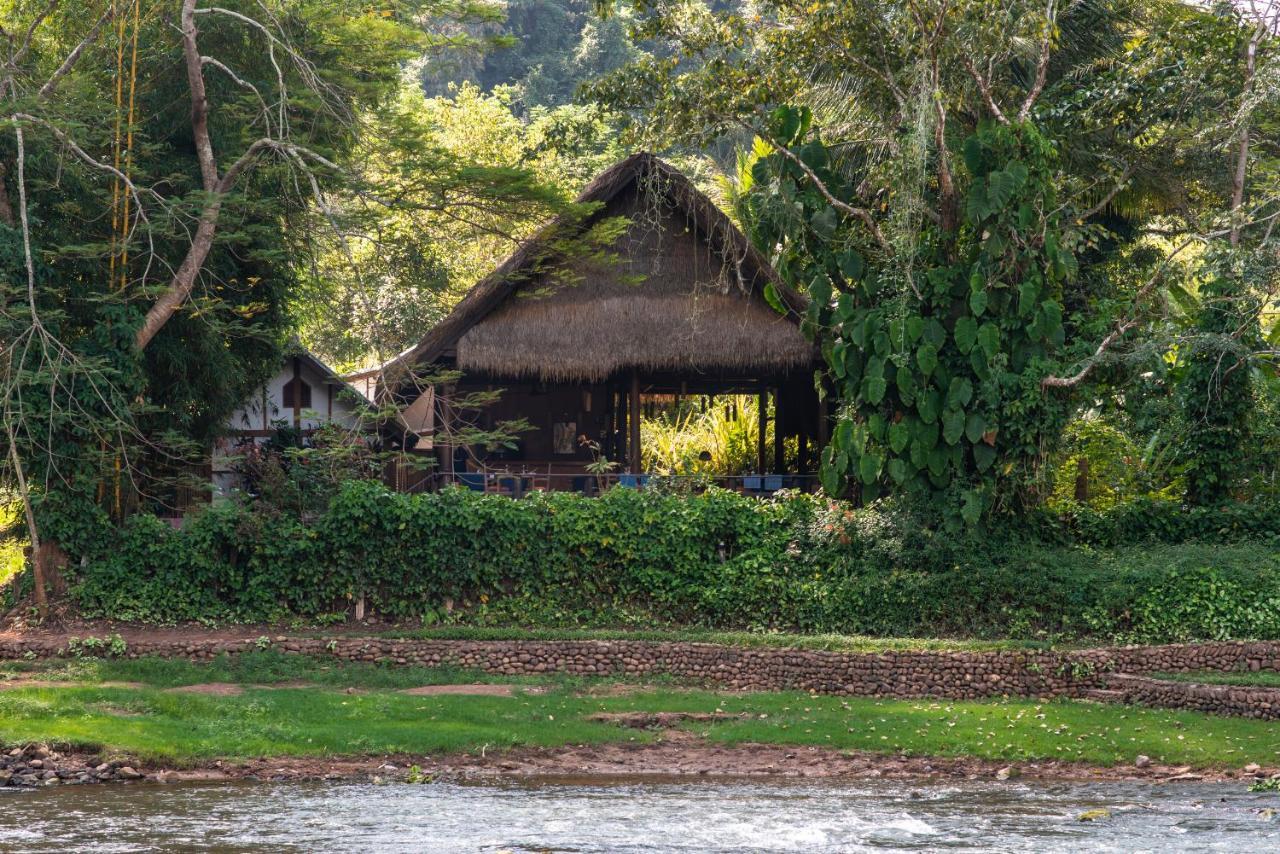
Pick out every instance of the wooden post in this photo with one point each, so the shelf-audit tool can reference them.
(620, 432)
(610, 422)
(779, 455)
(802, 452)
(762, 426)
(447, 449)
(633, 455)
(297, 393)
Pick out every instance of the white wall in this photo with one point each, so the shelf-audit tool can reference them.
(330, 403)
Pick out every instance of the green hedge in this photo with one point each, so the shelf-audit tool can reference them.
(1143, 573)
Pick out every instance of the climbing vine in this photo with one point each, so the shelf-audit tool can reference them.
(935, 362)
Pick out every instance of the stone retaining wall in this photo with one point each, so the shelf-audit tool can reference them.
(952, 675)
(1237, 700)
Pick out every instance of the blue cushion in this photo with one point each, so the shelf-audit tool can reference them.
(473, 480)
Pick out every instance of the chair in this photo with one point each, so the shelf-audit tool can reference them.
(541, 480)
(504, 483)
(472, 480)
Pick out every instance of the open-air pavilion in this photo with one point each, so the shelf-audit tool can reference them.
(581, 344)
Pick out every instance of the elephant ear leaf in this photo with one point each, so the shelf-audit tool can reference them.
(952, 426)
(927, 358)
(983, 456)
(875, 389)
(832, 480)
(974, 427)
(978, 302)
(966, 334)
(899, 436)
(869, 467)
(971, 509)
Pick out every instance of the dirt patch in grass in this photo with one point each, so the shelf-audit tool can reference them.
(663, 720)
(626, 689)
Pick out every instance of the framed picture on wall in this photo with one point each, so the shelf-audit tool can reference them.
(564, 437)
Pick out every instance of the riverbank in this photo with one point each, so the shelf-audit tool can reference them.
(268, 715)
(674, 756)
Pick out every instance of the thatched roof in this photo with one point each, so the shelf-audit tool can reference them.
(684, 293)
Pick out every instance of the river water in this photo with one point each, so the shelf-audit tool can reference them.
(630, 816)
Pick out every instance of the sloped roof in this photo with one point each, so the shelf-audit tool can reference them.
(598, 326)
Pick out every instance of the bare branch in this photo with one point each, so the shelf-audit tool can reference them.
(1107, 199)
(72, 58)
(1042, 67)
(88, 159)
(199, 98)
(860, 213)
(21, 53)
(984, 86)
(229, 178)
(239, 81)
(1121, 328)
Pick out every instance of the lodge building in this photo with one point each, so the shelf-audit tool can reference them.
(580, 340)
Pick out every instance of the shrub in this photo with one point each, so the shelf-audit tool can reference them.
(1147, 571)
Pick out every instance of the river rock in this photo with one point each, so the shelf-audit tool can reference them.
(1143, 761)
(1008, 773)
(127, 773)
(1252, 768)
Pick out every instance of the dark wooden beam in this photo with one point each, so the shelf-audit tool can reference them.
(633, 456)
(297, 392)
(762, 426)
(779, 454)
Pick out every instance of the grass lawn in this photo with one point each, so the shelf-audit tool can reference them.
(150, 723)
(1258, 679)
(840, 643)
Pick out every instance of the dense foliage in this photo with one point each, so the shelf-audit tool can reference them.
(938, 370)
(1145, 572)
(1003, 218)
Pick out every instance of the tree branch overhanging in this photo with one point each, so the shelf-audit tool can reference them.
(1042, 66)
